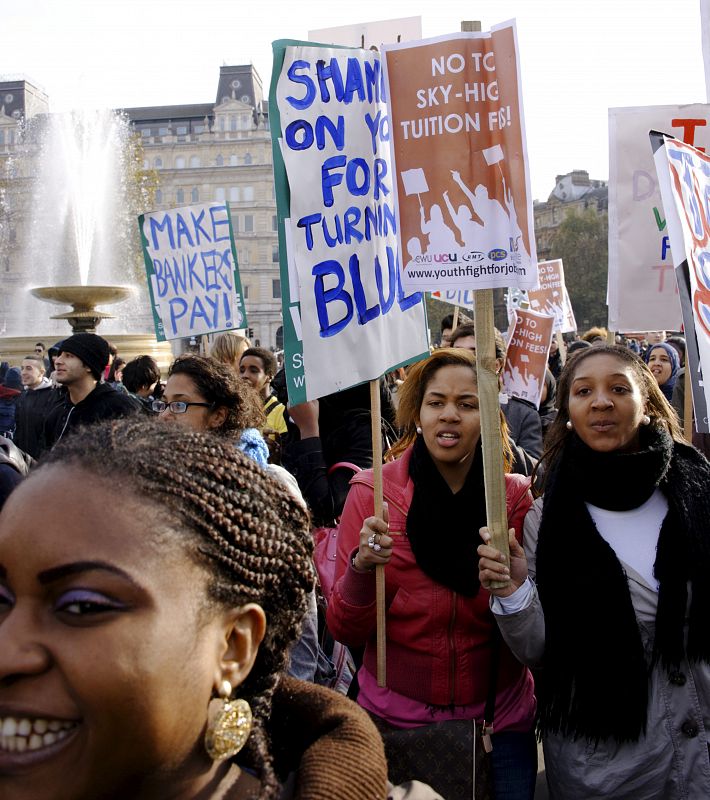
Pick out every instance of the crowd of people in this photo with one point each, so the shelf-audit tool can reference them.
(167, 629)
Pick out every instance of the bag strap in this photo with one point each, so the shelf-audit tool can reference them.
(270, 403)
(344, 465)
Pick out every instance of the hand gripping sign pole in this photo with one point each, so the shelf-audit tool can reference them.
(380, 568)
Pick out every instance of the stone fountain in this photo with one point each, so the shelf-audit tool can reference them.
(84, 317)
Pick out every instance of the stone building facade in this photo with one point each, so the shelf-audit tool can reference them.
(222, 151)
(574, 192)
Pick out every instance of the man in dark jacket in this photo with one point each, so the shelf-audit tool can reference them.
(14, 465)
(33, 406)
(84, 400)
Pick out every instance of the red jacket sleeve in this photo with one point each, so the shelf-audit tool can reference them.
(351, 614)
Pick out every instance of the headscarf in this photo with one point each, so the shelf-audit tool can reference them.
(667, 387)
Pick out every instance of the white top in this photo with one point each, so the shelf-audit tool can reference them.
(633, 535)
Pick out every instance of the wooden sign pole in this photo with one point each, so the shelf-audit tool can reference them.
(379, 569)
(455, 323)
(688, 404)
(491, 437)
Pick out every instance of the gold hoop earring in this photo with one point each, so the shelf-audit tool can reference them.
(230, 727)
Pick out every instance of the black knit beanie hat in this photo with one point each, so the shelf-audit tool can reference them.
(90, 348)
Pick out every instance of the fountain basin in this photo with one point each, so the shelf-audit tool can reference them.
(84, 317)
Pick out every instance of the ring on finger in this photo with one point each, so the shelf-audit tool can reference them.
(377, 547)
(371, 541)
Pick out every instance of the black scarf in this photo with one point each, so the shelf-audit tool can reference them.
(595, 679)
(442, 526)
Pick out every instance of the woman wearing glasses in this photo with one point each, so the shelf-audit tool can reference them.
(203, 395)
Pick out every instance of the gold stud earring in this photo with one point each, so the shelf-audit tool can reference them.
(230, 727)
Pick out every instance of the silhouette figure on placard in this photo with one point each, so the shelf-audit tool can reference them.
(441, 237)
(493, 215)
(414, 249)
(469, 229)
(490, 212)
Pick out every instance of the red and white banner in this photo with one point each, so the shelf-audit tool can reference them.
(642, 292)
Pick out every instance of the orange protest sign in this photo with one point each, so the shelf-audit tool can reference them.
(458, 145)
(551, 296)
(526, 358)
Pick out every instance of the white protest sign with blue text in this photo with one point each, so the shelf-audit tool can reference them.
(191, 264)
(357, 322)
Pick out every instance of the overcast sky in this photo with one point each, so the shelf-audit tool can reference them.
(578, 58)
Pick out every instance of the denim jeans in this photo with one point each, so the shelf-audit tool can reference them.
(514, 761)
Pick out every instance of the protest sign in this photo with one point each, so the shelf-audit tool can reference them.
(526, 356)
(191, 264)
(329, 122)
(642, 292)
(370, 35)
(457, 297)
(684, 182)
(705, 38)
(459, 153)
(551, 296)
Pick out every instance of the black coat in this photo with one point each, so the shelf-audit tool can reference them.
(104, 402)
(31, 411)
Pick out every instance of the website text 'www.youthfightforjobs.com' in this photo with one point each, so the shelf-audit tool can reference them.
(468, 270)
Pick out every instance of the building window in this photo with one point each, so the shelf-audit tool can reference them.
(158, 162)
(221, 123)
(248, 193)
(145, 133)
(234, 194)
(248, 158)
(180, 162)
(146, 163)
(194, 161)
(233, 160)
(219, 161)
(276, 287)
(275, 254)
(163, 131)
(198, 128)
(274, 223)
(248, 223)
(245, 291)
(180, 196)
(181, 130)
(232, 123)
(195, 195)
(219, 193)
(159, 196)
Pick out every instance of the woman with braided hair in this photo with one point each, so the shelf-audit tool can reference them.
(609, 597)
(140, 652)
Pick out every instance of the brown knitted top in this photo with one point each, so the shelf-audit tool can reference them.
(325, 747)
